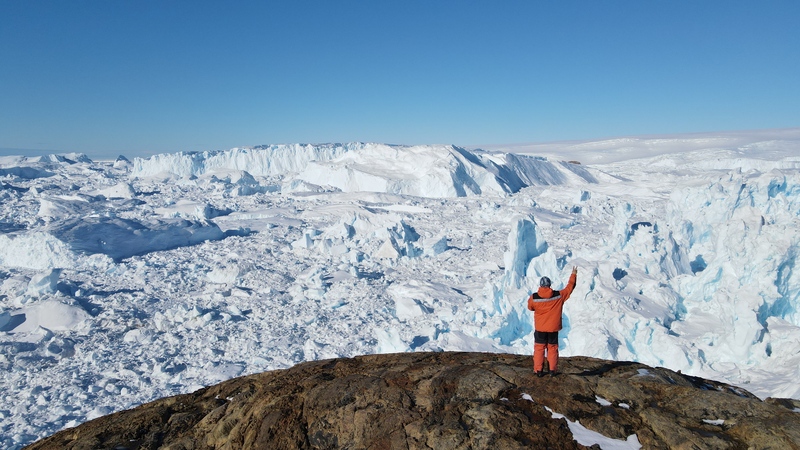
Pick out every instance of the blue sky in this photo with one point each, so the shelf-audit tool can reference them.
(143, 77)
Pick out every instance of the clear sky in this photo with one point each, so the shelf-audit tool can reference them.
(143, 77)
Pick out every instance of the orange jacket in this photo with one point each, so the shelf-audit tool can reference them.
(546, 305)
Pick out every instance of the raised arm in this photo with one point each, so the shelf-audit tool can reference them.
(573, 278)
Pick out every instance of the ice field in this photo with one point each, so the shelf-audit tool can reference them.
(125, 281)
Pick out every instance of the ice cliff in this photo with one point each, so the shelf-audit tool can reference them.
(425, 171)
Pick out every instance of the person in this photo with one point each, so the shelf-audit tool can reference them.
(546, 305)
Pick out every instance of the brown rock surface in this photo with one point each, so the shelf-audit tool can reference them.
(446, 401)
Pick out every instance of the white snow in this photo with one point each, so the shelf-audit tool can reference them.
(714, 421)
(587, 437)
(122, 282)
(601, 401)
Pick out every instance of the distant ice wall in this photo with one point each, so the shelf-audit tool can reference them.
(438, 171)
(268, 160)
(425, 171)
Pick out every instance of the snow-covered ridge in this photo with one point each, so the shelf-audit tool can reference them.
(19, 161)
(424, 171)
(766, 146)
(31, 167)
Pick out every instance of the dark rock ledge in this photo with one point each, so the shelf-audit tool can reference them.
(446, 401)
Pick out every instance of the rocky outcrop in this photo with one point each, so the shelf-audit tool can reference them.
(447, 401)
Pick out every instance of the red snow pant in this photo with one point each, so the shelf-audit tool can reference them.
(545, 342)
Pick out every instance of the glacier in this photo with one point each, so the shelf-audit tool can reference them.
(426, 171)
(124, 281)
